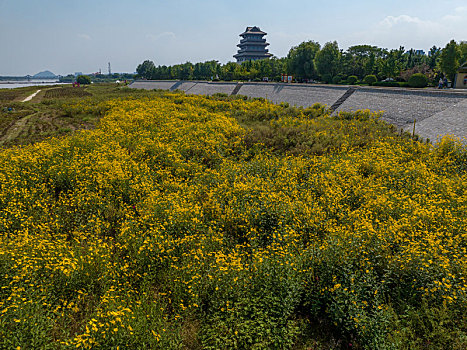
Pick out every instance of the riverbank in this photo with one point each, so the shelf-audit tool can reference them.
(17, 84)
(402, 106)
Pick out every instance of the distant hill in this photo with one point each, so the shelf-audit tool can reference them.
(45, 75)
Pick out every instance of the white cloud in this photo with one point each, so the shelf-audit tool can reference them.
(414, 32)
(391, 21)
(84, 36)
(460, 14)
(409, 26)
(170, 35)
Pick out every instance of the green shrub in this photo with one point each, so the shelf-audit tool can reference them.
(387, 83)
(352, 80)
(336, 80)
(418, 80)
(83, 79)
(220, 95)
(327, 78)
(370, 79)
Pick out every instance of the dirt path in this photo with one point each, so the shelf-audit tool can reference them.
(29, 98)
(15, 129)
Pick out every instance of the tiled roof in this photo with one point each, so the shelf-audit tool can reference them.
(253, 30)
(253, 54)
(252, 43)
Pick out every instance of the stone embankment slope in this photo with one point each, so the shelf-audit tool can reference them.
(436, 113)
(450, 121)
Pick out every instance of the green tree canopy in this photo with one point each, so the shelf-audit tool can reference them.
(83, 79)
(392, 62)
(206, 70)
(146, 69)
(300, 60)
(433, 57)
(228, 71)
(327, 61)
(449, 59)
(360, 60)
(463, 50)
(185, 71)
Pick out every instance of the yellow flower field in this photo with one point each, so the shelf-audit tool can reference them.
(195, 222)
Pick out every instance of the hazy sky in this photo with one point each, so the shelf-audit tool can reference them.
(66, 36)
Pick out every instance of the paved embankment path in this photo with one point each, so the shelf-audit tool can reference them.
(29, 98)
(437, 113)
(450, 121)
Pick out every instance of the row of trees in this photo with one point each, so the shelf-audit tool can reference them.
(330, 64)
(249, 70)
(99, 78)
(310, 61)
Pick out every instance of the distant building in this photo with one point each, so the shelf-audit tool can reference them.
(252, 45)
(416, 52)
(461, 77)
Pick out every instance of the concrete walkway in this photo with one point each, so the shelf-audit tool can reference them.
(29, 98)
(451, 121)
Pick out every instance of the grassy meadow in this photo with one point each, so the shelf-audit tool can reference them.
(166, 221)
(46, 115)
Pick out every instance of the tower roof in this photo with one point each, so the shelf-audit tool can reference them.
(253, 54)
(253, 30)
(253, 43)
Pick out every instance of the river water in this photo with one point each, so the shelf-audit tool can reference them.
(19, 83)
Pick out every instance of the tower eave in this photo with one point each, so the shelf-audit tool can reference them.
(252, 54)
(252, 44)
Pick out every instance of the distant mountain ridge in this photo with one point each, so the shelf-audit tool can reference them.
(45, 75)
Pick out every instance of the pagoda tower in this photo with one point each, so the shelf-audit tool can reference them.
(252, 45)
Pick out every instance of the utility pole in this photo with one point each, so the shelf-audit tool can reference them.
(110, 70)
